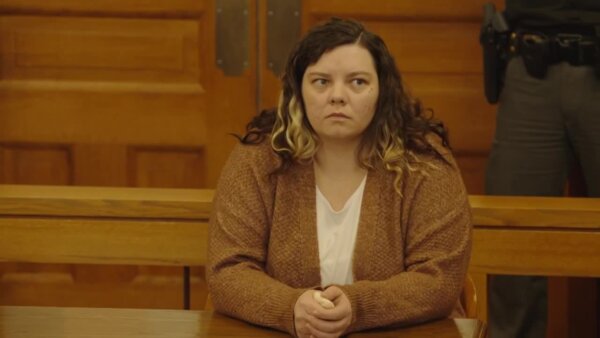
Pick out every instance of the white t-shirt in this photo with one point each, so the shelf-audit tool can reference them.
(336, 231)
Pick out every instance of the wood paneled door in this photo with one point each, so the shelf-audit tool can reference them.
(115, 93)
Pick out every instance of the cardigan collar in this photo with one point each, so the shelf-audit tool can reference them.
(302, 176)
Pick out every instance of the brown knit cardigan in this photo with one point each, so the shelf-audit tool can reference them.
(411, 252)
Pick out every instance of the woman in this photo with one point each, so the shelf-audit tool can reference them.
(347, 188)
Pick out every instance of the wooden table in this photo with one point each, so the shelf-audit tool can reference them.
(58, 322)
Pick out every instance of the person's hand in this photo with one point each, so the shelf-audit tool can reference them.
(312, 320)
(305, 305)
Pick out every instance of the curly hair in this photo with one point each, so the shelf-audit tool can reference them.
(399, 126)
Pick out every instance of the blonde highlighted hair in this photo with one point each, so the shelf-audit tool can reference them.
(300, 142)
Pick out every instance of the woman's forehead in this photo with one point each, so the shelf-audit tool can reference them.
(348, 57)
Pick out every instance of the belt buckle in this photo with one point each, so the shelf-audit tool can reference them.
(533, 38)
(576, 48)
(568, 40)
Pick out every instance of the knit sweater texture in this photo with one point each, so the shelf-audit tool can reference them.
(410, 257)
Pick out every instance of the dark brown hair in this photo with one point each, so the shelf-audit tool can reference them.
(399, 120)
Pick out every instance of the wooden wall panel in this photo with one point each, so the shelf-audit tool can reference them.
(98, 77)
(472, 166)
(457, 99)
(431, 47)
(166, 167)
(100, 49)
(35, 164)
(112, 158)
(101, 115)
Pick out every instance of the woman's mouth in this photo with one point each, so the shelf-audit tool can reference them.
(338, 115)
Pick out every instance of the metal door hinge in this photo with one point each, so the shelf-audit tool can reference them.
(283, 30)
(232, 20)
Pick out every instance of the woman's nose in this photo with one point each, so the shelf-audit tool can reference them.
(338, 95)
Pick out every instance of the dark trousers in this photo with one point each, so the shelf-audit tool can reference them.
(542, 126)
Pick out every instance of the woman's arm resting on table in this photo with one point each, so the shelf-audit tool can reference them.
(436, 255)
(239, 232)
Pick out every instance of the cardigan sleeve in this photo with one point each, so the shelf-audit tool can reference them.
(437, 247)
(238, 238)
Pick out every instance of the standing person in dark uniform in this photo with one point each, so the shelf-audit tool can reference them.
(548, 117)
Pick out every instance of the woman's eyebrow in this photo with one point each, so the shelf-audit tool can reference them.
(313, 73)
(352, 74)
(362, 73)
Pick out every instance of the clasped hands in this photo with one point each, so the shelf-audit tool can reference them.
(324, 314)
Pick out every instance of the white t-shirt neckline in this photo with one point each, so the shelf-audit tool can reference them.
(336, 232)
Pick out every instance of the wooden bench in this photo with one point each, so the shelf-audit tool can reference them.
(114, 226)
(547, 236)
(512, 235)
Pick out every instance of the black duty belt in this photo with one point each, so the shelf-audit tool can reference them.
(540, 50)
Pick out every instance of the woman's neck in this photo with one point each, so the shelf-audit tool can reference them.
(337, 172)
(337, 157)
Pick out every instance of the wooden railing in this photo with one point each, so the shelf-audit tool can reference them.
(40, 224)
(111, 226)
(43, 224)
(546, 236)
(536, 236)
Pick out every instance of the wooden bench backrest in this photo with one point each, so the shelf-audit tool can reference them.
(549, 236)
(131, 226)
(93, 225)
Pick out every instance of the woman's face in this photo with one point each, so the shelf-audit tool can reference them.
(340, 93)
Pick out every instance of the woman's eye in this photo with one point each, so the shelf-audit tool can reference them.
(359, 82)
(320, 82)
